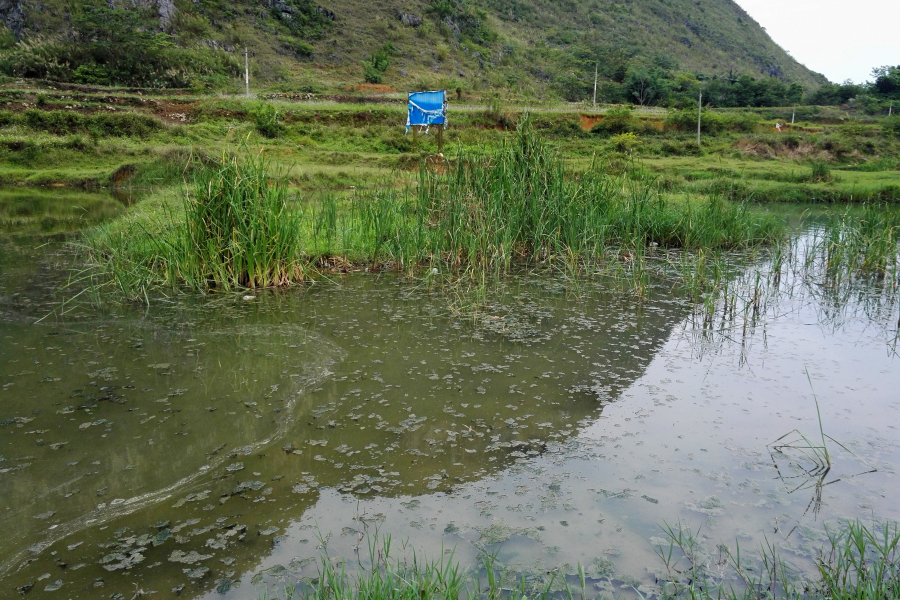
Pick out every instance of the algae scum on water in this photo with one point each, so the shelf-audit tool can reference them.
(212, 446)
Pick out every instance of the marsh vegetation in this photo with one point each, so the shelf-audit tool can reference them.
(488, 212)
(459, 356)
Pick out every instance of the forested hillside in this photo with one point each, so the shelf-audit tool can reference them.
(643, 50)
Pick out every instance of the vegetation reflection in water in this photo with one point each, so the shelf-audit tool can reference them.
(532, 345)
(227, 381)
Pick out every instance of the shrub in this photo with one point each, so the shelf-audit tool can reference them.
(92, 74)
(891, 126)
(568, 128)
(821, 173)
(375, 66)
(711, 122)
(742, 122)
(116, 46)
(675, 148)
(61, 122)
(625, 142)
(617, 120)
(394, 140)
(124, 124)
(56, 122)
(267, 120)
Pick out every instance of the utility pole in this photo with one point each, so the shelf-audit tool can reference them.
(596, 70)
(891, 108)
(699, 115)
(793, 114)
(247, 71)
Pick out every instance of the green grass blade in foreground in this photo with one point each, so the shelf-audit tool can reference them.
(858, 562)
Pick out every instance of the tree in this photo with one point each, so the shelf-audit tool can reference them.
(375, 66)
(887, 80)
(572, 87)
(645, 85)
(123, 43)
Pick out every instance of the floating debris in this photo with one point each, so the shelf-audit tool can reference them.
(106, 373)
(198, 573)
(247, 486)
(223, 586)
(188, 558)
(196, 497)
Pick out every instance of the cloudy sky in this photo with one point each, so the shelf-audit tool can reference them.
(841, 39)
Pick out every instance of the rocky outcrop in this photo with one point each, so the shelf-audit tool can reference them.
(164, 8)
(13, 15)
(284, 9)
(411, 20)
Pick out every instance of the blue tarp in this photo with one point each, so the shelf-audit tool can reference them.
(426, 109)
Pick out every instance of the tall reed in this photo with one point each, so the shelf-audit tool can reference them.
(859, 562)
(481, 214)
(234, 227)
(239, 230)
(519, 203)
(860, 244)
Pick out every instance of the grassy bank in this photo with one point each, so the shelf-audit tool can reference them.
(236, 224)
(858, 562)
(121, 139)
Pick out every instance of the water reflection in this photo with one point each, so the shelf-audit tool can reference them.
(207, 444)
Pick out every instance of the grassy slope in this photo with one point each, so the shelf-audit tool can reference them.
(539, 40)
(334, 146)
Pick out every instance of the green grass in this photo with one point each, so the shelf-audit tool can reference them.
(76, 141)
(858, 562)
(858, 245)
(234, 228)
(238, 229)
(780, 181)
(482, 213)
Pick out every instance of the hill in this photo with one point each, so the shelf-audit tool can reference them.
(534, 48)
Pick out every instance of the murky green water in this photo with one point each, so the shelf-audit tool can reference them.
(207, 446)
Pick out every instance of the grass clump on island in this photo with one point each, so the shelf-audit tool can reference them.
(233, 228)
(237, 225)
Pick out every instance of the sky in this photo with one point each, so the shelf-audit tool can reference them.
(839, 38)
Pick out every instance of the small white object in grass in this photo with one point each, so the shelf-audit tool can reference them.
(434, 271)
(248, 298)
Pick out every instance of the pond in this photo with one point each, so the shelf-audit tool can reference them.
(213, 446)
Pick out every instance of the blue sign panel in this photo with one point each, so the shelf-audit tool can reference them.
(426, 109)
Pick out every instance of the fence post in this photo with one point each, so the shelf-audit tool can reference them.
(247, 71)
(699, 115)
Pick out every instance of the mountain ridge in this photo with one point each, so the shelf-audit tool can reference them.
(534, 47)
